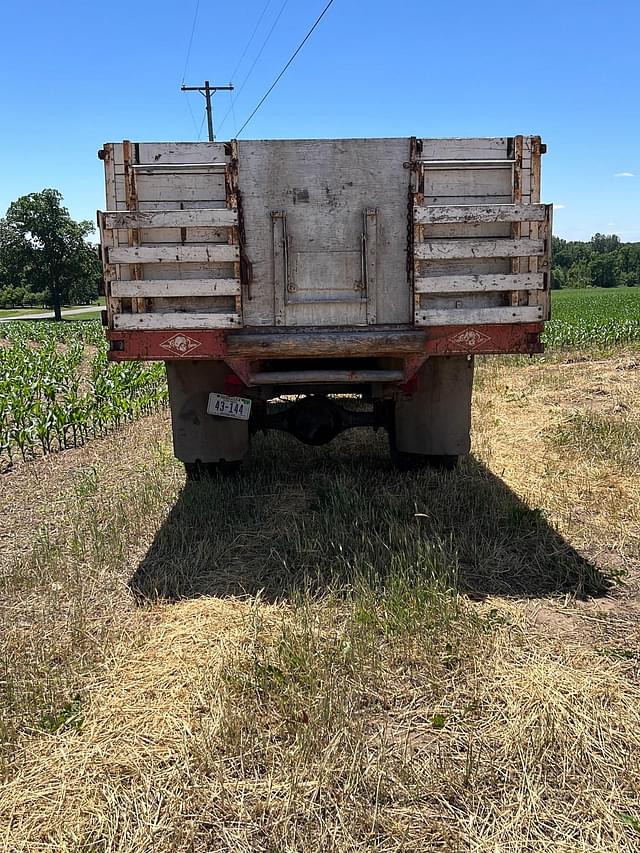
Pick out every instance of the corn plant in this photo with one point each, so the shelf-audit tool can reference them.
(57, 389)
(594, 317)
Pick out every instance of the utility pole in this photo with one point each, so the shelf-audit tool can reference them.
(208, 91)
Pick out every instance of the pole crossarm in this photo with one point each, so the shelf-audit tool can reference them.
(208, 91)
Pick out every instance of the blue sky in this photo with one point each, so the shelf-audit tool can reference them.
(74, 75)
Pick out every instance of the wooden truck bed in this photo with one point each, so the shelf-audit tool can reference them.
(329, 248)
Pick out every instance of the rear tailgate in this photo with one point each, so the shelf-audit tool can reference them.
(444, 240)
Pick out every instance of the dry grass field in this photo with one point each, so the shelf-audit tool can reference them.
(324, 654)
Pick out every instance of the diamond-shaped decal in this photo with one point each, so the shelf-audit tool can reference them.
(469, 338)
(181, 344)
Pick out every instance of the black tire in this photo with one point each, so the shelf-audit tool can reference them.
(404, 461)
(419, 461)
(197, 471)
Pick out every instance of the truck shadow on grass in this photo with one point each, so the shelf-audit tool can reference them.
(330, 519)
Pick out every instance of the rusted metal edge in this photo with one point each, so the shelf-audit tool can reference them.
(211, 344)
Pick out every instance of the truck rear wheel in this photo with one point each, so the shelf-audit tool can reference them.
(419, 461)
(197, 471)
(431, 426)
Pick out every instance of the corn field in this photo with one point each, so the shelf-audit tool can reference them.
(57, 389)
(593, 317)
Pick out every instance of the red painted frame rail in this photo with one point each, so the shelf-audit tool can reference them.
(210, 344)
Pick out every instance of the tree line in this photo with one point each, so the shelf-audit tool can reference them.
(46, 259)
(603, 261)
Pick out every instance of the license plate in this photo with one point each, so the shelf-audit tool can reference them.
(229, 407)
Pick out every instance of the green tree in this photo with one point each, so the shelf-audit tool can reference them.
(602, 270)
(558, 278)
(628, 264)
(566, 253)
(604, 243)
(45, 251)
(579, 275)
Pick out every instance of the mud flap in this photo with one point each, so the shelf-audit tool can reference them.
(198, 436)
(436, 420)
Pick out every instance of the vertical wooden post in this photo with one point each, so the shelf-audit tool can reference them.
(131, 196)
(416, 231)
(516, 227)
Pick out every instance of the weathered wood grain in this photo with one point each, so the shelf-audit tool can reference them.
(470, 283)
(182, 254)
(292, 343)
(468, 148)
(479, 213)
(499, 248)
(168, 270)
(324, 187)
(468, 183)
(157, 236)
(176, 320)
(178, 187)
(176, 287)
(170, 218)
(181, 152)
(462, 316)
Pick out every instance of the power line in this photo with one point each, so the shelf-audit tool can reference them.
(280, 75)
(193, 29)
(204, 115)
(253, 65)
(251, 37)
(233, 113)
(193, 118)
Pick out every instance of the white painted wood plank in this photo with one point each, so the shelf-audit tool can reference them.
(472, 213)
(499, 248)
(214, 252)
(120, 192)
(178, 168)
(461, 316)
(168, 270)
(486, 198)
(176, 320)
(171, 218)
(468, 183)
(431, 269)
(110, 177)
(475, 283)
(181, 152)
(446, 230)
(118, 156)
(177, 187)
(191, 235)
(177, 287)
(189, 204)
(466, 164)
(488, 148)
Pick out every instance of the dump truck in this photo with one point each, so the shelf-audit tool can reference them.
(319, 272)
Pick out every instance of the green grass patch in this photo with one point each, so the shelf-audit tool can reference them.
(22, 312)
(64, 602)
(598, 436)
